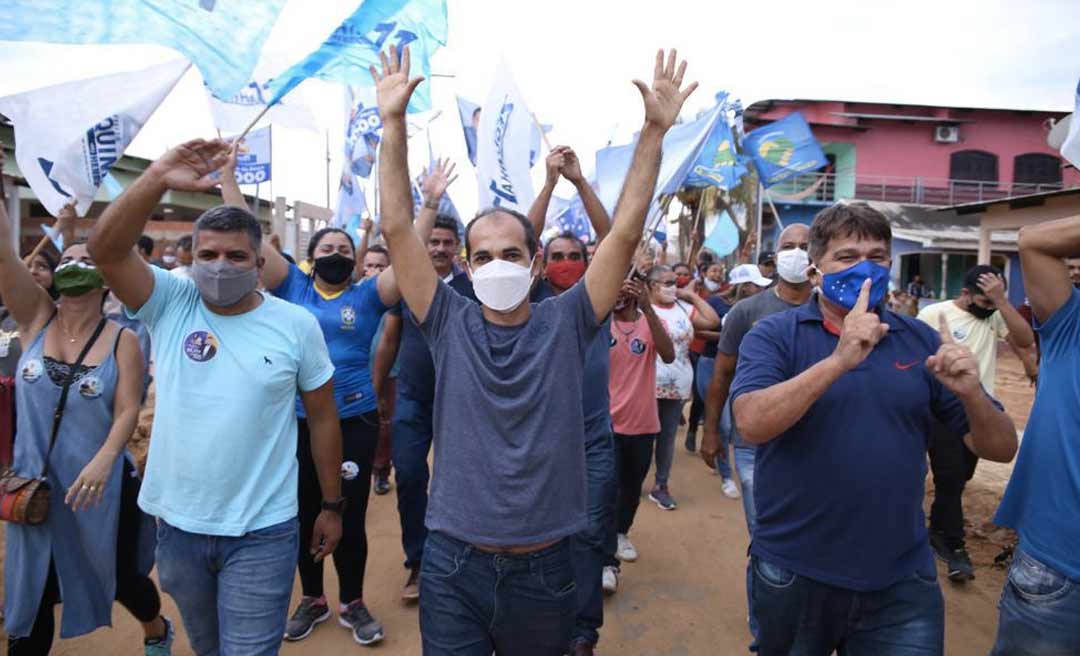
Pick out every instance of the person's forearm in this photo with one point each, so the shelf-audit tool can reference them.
(665, 348)
(326, 453)
(1020, 333)
(717, 394)
(425, 223)
(7, 245)
(123, 221)
(598, 216)
(1058, 239)
(637, 191)
(763, 414)
(123, 427)
(230, 189)
(362, 250)
(708, 335)
(706, 313)
(394, 191)
(993, 435)
(385, 353)
(539, 208)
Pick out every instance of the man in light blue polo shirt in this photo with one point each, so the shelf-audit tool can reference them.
(221, 473)
(1040, 607)
(839, 395)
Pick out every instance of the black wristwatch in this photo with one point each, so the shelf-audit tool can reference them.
(338, 505)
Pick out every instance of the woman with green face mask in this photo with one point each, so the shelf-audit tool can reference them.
(95, 544)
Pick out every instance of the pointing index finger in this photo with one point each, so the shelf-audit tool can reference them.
(863, 302)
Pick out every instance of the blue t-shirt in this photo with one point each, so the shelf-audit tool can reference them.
(721, 307)
(416, 373)
(839, 494)
(223, 457)
(1042, 501)
(595, 400)
(508, 422)
(348, 323)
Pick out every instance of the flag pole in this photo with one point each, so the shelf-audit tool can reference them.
(760, 211)
(328, 168)
(541, 128)
(776, 214)
(253, 122)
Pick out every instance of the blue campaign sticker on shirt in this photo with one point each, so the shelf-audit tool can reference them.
(637, 346)
(348, 317)
(90, 387)
(31, 372)
(200, 346)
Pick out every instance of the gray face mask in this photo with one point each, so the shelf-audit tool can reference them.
(222, 283)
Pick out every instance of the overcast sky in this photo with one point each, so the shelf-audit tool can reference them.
(574, 59)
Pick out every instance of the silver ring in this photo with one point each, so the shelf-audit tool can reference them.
(85, 486)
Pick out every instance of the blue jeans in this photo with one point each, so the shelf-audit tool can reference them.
(233, 593)
(1040, 611)
(801, 617)
(744, 467)
(409, 453)
(473, 603)
(705, 367)
(595, 546)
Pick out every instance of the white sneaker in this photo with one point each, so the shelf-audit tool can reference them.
(610, 579)
(626, 551)
(729, 489)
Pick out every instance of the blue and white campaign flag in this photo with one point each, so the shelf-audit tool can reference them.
(723, 235)
(235, 113)
(784, 149)
(68, 136)
(1070, 148)
(502, 147)
(718, 165)
(354, 46)
(363, 128)
(351, 205)
(470, 119)
(254, 158)
(223, 38)
(570, 216)
(682, 147)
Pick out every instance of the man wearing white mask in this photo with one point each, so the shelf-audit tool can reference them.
(792, 290)
(509, 480)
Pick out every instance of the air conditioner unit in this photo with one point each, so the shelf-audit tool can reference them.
(947, 134)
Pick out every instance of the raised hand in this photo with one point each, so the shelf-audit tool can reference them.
(393, 88)
(665, 98)
(993, 286)
(554, 163)
(571, 167)
(188, 166)
(685, 294)
(367, 225)
(954, 364)
(862, 330)
(434, 182)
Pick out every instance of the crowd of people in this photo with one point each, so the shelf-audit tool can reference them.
(547, 380)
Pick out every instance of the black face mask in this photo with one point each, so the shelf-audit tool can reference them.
(334, 269)
(980, 312)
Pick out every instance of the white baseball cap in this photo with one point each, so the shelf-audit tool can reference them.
(748, 273)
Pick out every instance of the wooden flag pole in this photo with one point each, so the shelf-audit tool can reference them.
(542, 133)
(253, 122)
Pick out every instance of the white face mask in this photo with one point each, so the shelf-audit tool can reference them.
(168, 259)
(711, 286)
(792, 265)
(665, 295)
(501, 285)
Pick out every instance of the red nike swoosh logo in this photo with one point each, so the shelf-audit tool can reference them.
(905, 367)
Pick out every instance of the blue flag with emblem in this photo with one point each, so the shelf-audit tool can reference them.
(718, 165)
(354, 46)
(223, 38)
(784, 149)
(572, 218)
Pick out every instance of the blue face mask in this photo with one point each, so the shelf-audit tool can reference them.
(842, 287)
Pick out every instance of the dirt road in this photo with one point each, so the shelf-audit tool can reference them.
(684, 596)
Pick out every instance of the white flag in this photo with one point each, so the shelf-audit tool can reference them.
(1070, 149)
(68, 136)
(236, 113)
(502, 147)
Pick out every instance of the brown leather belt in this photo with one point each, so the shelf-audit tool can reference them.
(516, 551)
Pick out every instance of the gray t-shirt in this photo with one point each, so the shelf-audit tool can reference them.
(508, 420)
(745, 314)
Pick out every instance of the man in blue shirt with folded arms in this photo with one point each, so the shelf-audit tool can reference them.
(842, 390)
(1040, 606)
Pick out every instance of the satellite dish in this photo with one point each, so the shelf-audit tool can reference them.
(1058, 132)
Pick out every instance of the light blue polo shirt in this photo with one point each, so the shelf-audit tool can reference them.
(223, 455)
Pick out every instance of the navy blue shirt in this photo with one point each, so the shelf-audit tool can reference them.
(595, 399)
(721, 308)
(416, 372)
(839, 494)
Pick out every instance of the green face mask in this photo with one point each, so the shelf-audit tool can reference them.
(77, 278)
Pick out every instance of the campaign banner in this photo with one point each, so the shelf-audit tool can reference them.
(784, 149)
(503, 146)
(223, 38)
(69, 135)
(235, 113)
(254, 157)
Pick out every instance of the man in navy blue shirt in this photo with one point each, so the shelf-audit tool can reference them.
(839, 395)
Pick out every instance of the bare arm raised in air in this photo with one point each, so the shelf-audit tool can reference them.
(433, 188)
(1043, 247)
(663, 101)
(29, 304)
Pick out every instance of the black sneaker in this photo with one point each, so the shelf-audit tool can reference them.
(308, 614)
(957, 561)
(365, 629)
(382, 483)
